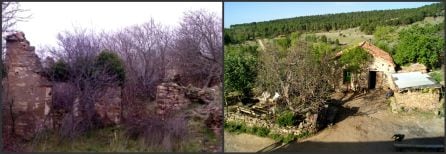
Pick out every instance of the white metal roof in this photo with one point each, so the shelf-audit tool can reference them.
(413, 80)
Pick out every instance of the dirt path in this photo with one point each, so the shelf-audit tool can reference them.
(245, 142)
(370, 128)
(261, 44)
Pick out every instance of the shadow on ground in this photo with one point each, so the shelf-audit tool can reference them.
(376, 146)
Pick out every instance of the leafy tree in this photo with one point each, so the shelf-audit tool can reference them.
(420, 44)
(240, 71)
(385, 33)
(353, 59)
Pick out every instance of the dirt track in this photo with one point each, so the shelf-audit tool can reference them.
(370, 127)
(366, 124)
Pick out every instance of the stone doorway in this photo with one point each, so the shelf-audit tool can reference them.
(372, 80)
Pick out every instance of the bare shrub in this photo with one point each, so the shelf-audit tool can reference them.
(198, 51)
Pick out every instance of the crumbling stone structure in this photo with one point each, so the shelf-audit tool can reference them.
(26, 93)
(108, 106)
(170, 97)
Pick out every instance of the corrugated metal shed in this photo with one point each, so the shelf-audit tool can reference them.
(413, 80)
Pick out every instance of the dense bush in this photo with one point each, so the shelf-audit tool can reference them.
(287, 118)
(240, 69)
(59, 71)
(284, 43)
(112, 64)
(235, 127)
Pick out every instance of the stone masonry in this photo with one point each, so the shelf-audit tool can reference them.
(27, 94)
(425, 100)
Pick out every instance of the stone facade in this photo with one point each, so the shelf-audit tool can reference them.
(381, 64)
(27, 94)
(425, 100)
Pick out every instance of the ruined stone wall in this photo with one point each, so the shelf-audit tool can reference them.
(108, 106)
(27, 92)
(170, 97)
(426, 100)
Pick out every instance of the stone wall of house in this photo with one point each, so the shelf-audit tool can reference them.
(381, 65)
(27, 94)
(425, 100)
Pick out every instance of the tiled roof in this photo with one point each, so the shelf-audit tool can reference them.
(374, 51)
(377, 52)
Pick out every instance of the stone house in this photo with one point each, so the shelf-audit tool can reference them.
(416, 90)
(377, 73)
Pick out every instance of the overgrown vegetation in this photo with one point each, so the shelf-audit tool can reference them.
(240, 69)
(354, 59)
(112, 64)
(286, 118)
(132, 62)
(420, 44)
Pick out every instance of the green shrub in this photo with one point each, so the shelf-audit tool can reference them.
(59, 71)
(288, 138)
(303, 134)
(112, 64)
(235, 127)
(276, 137)
(262, 131)
(437, 76)
(240, 63)
(287, 118)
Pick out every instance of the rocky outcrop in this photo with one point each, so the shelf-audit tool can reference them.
(27, 94)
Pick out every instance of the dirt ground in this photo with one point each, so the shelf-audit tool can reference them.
(364, 124)
(245, 142)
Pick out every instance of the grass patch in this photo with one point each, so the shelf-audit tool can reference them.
(437, 75)
(110, 139)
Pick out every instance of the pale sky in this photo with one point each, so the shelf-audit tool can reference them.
(50, 18)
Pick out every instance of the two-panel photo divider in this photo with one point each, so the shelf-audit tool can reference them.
(214, 77)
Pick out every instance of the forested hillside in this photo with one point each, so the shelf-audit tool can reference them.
(366, 20)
